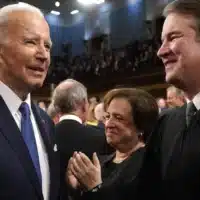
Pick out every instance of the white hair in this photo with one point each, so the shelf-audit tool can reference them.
(6, 10)
(66, 97)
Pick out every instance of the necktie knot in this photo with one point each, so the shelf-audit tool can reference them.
(190, 112)
(24, 109)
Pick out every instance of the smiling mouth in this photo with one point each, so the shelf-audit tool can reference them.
(36, 69)
(169, 62)
(111, 133)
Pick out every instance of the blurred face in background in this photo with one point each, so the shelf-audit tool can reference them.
(174, 100)
(161, 103)
(42, 105)
(93, 100)
(99, 112)
(119, 126)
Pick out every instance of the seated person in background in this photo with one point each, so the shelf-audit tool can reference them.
(99, 116)
(91, 120)
(42, 105)
(99, 112)
(95, 117)
(94, 100)
(130, 117)
(175, 97)
(162, 104)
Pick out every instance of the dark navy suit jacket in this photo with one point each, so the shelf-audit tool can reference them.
(18, 178)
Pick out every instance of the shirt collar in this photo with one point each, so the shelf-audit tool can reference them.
(196, 101)
(72, 117)
(12, 101)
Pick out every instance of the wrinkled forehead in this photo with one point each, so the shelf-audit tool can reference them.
(28, 22)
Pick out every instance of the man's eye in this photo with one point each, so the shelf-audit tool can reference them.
(30, 42)
(47, 46)
(119, 118)
(106, 116)
(174, 37)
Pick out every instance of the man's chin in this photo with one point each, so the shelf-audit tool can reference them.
(170, 78)
(36, 85)
(176, 81)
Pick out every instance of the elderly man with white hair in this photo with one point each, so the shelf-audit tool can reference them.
(28, 155)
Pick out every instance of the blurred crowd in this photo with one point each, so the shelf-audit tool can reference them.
(108, 63)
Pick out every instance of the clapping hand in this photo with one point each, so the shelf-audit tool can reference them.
(81, 170)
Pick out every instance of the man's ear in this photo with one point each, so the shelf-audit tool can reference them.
(84, 106)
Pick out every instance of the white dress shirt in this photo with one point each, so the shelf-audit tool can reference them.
(13, 103)
(196, 101)
(72, 117)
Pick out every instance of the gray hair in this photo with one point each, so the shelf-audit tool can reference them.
(52, 111)
(6, 10)
(175, 90)
(68, 95)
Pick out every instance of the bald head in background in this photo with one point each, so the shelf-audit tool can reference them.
(70, 97)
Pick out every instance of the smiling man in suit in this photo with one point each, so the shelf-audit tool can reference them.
(171, 168)
(27, 159)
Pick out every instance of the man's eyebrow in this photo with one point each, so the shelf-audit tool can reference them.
(35, 35)
(170, 34)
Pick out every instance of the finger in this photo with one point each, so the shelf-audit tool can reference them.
(76, 165)
(69, 163)
(74, 170)
(74, 154)
(80, 161)
(96, 160)
(85, 159)
(69, 166)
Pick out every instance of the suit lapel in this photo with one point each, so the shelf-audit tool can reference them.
(175, 128)
(13, 135)
(43, 126)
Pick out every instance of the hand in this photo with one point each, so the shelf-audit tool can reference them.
(70, 178)
(86, 171)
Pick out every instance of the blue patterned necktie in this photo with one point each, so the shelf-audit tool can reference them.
(28, 136)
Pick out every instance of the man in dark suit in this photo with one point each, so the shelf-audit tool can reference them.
(171, 168)
(70, 98)
(28, 156)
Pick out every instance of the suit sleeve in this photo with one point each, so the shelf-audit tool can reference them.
(149, 179)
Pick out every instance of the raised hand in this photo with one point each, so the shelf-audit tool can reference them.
(87, 172)
(70, 178)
